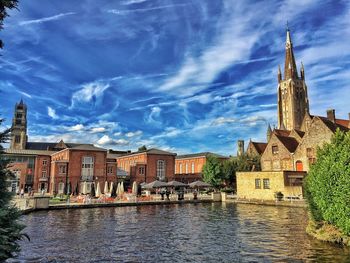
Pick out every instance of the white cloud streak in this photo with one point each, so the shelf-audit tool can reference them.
(45, 19)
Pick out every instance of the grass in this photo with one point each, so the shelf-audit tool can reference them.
(326, 232)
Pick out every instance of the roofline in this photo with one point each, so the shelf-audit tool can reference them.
(145, 152)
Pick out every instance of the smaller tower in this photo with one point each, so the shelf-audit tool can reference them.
(268, 133)
(240, 147)
(19, 127)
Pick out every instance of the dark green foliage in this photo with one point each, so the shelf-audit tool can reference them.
(142, 148)
(212, 173)
(327, 186)
(4, 6)
(10, 228)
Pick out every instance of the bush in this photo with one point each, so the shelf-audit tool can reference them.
(327, 186)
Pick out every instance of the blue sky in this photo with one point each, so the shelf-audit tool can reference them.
(181, 75)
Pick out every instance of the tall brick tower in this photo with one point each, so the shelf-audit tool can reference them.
(19, 127)
(293, 100)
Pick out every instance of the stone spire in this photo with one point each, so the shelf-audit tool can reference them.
(279, 75)
(302, 72)
(290, 68)
(269, 132)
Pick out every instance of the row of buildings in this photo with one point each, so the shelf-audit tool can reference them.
(57, 167)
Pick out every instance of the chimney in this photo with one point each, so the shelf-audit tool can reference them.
(349, 121)
(240, 148)
(331, 115)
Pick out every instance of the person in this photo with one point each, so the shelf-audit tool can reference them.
(17, 191)
(195, 195)
(22, 193)
(167, 193)
(162, 195)
(43, 192)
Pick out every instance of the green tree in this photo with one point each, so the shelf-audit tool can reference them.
(228, 170)
(10, 228)
(212, 172)
(4, 6)
(327, 185)
(142, 148)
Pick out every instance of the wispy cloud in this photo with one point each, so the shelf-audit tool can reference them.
(90, 92)
(45, 19)
(122, 12)
(52, 113)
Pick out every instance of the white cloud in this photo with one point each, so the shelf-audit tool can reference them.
(133, 134)
(89, 92)
(45, 19)
(77, 127)
(106, 140)
(153, 115)
(98, 129)
(52, 113)
(121, 12)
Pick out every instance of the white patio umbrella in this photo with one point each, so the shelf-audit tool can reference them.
(122, 188)
(118, 189)
(98, 190)
(105, 189)
(155, 184)
(134, 188)
(84, 188)
(111, 187)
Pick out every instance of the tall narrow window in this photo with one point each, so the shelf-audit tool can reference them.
(192, 167)
(186, 168)
(161, 170)
(257, 184)
(180, 168)
(62, 169)
(266, 183)
(87, 170)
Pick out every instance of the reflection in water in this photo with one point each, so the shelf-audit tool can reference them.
(176, 233)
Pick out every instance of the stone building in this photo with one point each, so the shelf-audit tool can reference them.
(189, 167)
(147, 166)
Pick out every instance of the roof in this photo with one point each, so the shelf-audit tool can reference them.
(205, 154)
(44, 146)
(300, 133)
(149, 151)
(259, 146)
(88, 147)
(331, 125)
(284, 133)
(344, 123)
(289, 142)
(27, 152)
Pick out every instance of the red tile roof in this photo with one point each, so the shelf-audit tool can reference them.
(260, 146)
(284, 133)
(289, 142)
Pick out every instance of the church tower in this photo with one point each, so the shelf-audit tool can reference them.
(293, 102)
(19, 127)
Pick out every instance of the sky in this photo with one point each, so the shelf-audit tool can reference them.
(185, 76)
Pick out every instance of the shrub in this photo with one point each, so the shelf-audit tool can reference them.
(327, 186)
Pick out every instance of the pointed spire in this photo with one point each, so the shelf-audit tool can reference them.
(269, 132)
(21, 102)
(302, 72)
(279, 75)
(290, 68)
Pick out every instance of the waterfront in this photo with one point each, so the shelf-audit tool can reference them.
(216, 232)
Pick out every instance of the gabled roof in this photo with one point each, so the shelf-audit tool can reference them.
(259, 146)
(201, 154)
(281, 132)
(344, 123)
(149, 151)
(88, 147)
(28, 152)
(45, 146)
(300, 133)
(289, 142)
(331, 125)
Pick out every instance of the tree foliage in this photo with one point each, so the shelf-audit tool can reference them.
(212, 173)
(142, 148)
(10, 228)
(4, 6)
(327, 186)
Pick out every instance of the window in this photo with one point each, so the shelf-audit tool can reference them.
(19, 115)
(161, 170)
(43, 174)
(17, 139)
(274, 149)
(192, 167)
(266, 183)
(312, 161)
(186, 168)
(62, 169)
(180, 168)
(310, 152)
(44, 162)
(257, 184)
(87, 171)
(142, 170)
(109, 169)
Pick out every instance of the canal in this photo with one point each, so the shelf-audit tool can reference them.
(175, 233)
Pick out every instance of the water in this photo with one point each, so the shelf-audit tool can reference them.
(175, 233)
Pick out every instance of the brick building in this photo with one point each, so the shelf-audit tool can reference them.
(147, 166)
(189, 167)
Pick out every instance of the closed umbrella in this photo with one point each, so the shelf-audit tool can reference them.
(122, 188)
(111, 187)
(134, 188)
(105, 190)
(84, 188)
(98, 190)
(118, 189)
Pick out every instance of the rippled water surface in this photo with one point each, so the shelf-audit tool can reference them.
(175, 233)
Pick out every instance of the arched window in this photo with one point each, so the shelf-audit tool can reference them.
(161, 170)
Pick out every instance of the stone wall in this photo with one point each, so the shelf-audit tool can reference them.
(278, 182)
